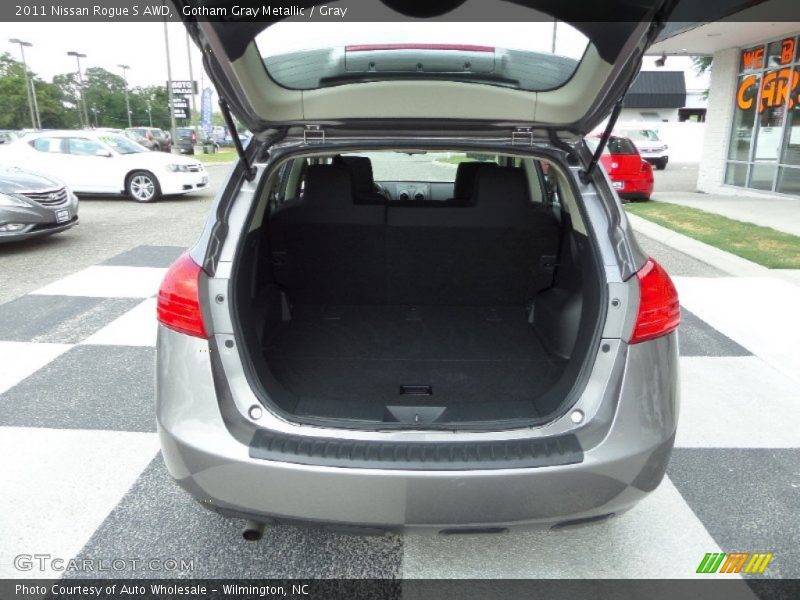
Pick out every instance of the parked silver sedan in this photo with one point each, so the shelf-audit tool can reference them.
(34, 205)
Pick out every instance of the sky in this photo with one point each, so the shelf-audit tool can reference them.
(142, 46)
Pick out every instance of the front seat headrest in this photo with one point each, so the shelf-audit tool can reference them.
(328, 186)
(361, 170)
(466, 172)
(495, 185)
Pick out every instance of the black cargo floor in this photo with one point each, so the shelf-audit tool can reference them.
(352, 362)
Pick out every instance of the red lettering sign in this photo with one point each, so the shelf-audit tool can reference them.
(787, 50)
(753, 59)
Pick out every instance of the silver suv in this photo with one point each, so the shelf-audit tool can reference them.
(417, 301)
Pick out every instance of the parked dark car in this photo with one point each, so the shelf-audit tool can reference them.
(154, 134)
(33, 205)
(185, 139)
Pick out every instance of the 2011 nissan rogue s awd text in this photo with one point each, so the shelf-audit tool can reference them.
(417, 301)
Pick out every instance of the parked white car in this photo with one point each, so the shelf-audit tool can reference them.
(99, 162)
(652, 148)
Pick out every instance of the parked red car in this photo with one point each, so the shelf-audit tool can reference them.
(630, 174)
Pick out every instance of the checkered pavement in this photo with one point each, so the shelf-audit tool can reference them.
(82, 476)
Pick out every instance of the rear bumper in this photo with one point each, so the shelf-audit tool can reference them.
(636, 188)
(619, 469)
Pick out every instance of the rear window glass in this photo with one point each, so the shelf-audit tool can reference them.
(621, 146)
(615, 145)
(640, 135)
(535, 56)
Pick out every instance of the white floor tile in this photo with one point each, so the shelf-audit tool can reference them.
(760, 313)
(108, 282)
(137, 327)
(737, 402)
(21, 359)
(659, 538)
(59, 485)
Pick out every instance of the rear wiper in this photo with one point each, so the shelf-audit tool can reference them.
(249, 170)
(612, 120)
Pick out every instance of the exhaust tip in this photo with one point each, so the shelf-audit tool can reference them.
(253, 531)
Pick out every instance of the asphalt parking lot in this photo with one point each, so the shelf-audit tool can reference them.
(78, 441)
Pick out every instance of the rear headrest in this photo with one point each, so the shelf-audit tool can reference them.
(465, 179)
(328, 186)
(500, 185)
(361, 171)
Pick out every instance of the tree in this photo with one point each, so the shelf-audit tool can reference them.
(702, 63)
(157, 99)
(14, 109)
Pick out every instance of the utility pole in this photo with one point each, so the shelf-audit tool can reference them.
(127, 102)
(169, 80)
(81, 98)
(30, 91)
(191, 78)
(149, 114)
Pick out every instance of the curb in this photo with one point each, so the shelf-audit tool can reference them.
(724, 261)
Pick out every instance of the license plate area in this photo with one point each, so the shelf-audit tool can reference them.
(62, 216)
(618, 185)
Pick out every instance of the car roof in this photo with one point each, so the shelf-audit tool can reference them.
(72, 133)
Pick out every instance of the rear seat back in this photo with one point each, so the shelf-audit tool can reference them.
(480, 254)
(326, 249)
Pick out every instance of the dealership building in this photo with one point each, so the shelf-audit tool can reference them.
(752, 128)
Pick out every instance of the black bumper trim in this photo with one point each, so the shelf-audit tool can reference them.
(419, 456)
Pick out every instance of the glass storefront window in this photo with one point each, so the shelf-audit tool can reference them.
(736, 174)
(791, 145)
(761, 176)
(789, 181)
(765, 134)
(780, 53)
(744, 118)
(772, 102)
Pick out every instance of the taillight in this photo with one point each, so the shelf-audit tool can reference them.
(194, 137)
(659, 309)
(646, 167)
(179, 298)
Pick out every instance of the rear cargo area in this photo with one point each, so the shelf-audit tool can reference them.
(355, 361)
(417, 312)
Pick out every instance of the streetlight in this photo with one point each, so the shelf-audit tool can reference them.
(30, 91)
(81, 100)
(169, 80)
(127, 103)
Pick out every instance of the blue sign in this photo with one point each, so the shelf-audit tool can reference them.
(205, 111)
